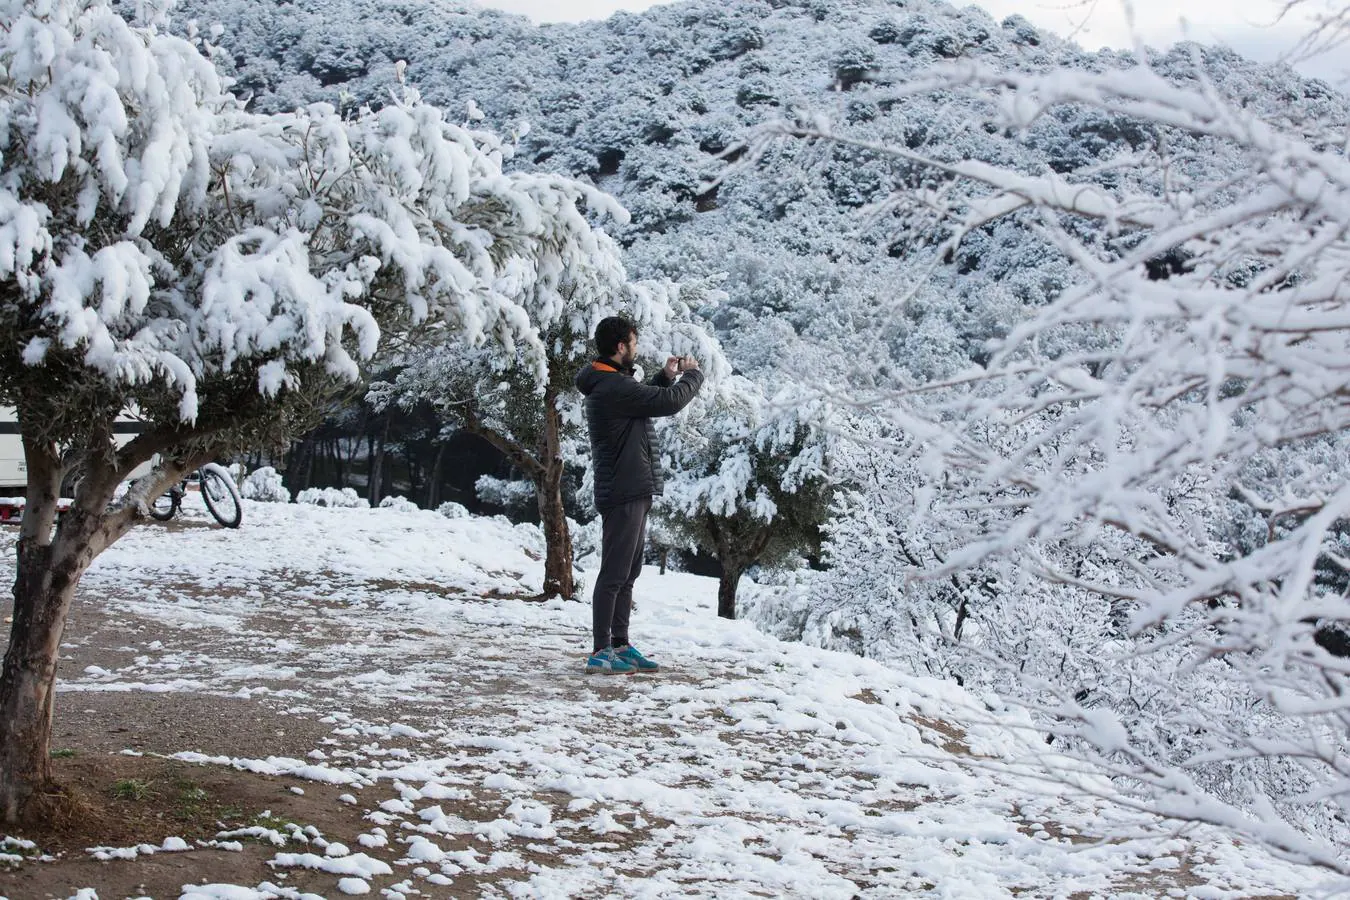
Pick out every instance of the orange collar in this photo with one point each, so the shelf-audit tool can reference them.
(603, 366)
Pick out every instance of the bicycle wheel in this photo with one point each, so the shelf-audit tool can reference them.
(221, 496)
(165, 505)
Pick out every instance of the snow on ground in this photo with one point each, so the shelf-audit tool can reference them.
(750, 767)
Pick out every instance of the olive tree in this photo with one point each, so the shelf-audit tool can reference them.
(166, 252)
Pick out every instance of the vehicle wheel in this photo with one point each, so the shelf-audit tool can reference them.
(165, 505)
(221, 496)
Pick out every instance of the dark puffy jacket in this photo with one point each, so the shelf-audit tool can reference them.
(624, 447)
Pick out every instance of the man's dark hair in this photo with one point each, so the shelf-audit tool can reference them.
(612, 332)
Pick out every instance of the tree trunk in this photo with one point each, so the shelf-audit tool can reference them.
(558, 576)
(735, 555)
(414, 470)
(296, 477)
(434, 480)
(42, 596)
(726, 590)
(311, 452)
(335, 454)
(353, 445)
(49, 563)
(28, 676)
(377, 467)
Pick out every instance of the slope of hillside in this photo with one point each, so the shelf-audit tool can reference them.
(457, 721)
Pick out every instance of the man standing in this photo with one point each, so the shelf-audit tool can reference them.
(626, 458)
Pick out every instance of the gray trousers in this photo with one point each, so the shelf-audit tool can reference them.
(624, 535)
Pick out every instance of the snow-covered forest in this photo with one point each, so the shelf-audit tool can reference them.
(1029, 365)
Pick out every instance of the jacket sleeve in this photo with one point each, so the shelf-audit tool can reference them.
(647, 401)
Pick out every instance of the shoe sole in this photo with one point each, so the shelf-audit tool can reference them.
(596, 670)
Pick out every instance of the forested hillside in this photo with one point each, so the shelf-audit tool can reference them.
(644, 105)
(1018, 535)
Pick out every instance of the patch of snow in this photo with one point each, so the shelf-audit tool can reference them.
(356, 865)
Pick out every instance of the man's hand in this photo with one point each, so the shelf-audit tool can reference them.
(687, 363)
(672, 367)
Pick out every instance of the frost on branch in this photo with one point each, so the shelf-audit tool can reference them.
(1156, 448)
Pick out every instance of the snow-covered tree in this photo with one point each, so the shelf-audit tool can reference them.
(1194, 365)
(750, 481)
(538, 425)
(216, 272)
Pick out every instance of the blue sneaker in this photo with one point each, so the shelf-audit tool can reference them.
(640, 663)
(607, 662)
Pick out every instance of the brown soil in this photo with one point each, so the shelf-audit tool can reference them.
(116, 800)
(109, 797)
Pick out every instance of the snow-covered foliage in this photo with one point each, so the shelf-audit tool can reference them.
(168, 248)
(344, 498)
(501, 397)
(509, 495)
(453, 510)
(264, 484)
(646, 105)
(398, 504)
(1158, 449)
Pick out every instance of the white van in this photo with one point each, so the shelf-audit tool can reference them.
(13, 468)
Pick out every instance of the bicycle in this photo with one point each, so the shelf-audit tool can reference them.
(218, 493)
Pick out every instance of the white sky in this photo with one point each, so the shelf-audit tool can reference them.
(1247, 26)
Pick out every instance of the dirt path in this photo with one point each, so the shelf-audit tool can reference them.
(409, 736)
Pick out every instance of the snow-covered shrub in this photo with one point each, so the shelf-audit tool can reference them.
(780, 608)
(265, 484)
(512, 495)
(452, 510)
(586, 538)
(531, 537)
(345, 498)
(399, 504)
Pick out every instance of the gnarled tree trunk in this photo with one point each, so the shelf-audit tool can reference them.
(558, 577)
(42, 594)
(51, 560)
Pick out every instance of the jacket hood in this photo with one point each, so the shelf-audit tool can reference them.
(591, 373)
